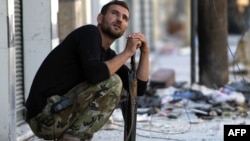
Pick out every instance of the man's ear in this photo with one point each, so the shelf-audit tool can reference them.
(99, 18)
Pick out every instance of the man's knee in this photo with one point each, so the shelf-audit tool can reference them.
(114, 82)
(115, 79)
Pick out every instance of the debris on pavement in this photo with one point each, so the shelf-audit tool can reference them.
(171, 110)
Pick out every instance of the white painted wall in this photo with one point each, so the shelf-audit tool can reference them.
(6, 117)
(4, 81)
(37, 38)
(37, 44)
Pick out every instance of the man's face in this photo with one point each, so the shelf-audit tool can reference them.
(115, 22)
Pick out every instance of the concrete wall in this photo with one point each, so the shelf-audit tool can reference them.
(4, 73)
(37, 39)
(70, 16)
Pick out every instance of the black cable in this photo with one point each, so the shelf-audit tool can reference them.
(153, 131)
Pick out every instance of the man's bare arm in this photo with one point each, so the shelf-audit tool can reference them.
(115, 63)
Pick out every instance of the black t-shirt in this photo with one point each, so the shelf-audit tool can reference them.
(80, 57)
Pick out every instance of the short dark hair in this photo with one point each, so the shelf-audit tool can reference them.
(114, 2)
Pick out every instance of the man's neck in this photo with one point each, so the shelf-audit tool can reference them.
(106, 40)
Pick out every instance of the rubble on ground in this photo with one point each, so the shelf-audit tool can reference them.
(170, 112)
(232, 100)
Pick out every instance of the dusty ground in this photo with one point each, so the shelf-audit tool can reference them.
(163, 129)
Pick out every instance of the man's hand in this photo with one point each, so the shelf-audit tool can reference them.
(140, 41)
(134, 41)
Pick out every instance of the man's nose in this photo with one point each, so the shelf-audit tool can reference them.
(119, 18)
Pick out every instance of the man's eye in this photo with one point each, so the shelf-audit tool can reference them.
(114, 12)
(125, 18)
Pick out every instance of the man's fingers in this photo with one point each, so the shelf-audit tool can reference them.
(134, 36)
(138, 45)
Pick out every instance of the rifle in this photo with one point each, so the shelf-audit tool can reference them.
(130, 106)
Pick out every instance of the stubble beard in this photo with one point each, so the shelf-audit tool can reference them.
(107, 30)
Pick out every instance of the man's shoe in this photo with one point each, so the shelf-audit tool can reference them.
(68, 137)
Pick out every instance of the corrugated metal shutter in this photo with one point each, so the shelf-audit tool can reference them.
(19, 63)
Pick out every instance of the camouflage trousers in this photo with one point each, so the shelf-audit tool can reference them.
(92, 106)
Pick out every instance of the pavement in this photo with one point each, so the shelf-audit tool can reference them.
(164, 129)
